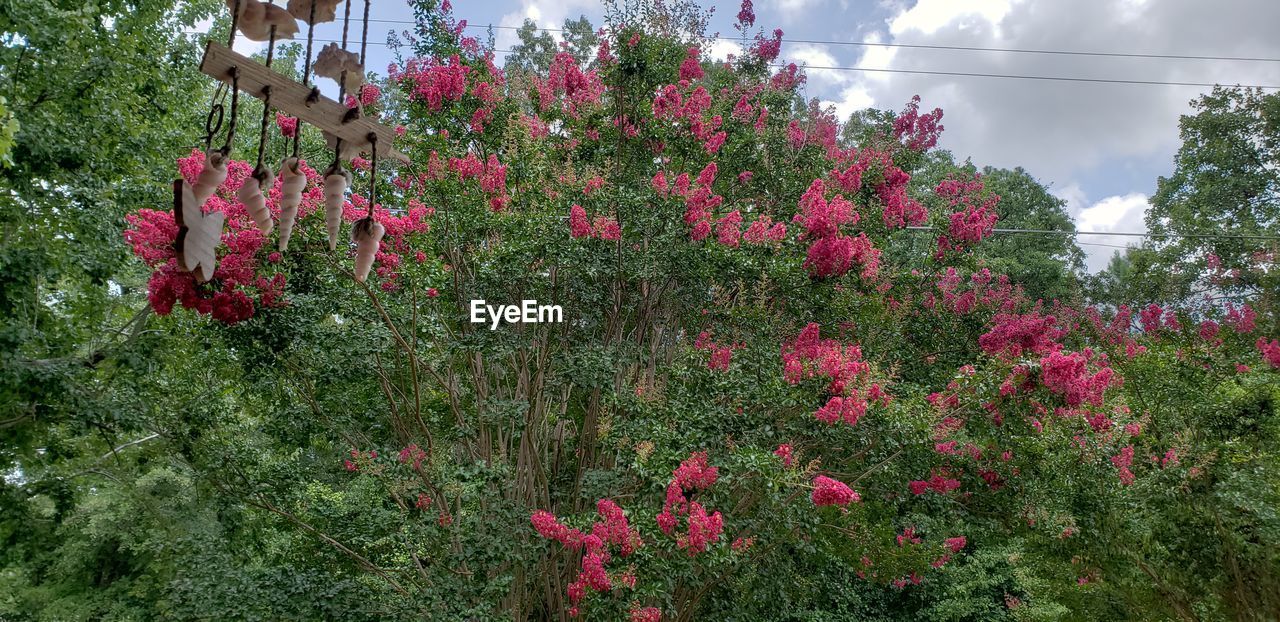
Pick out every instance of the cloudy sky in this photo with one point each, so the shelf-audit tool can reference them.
(1099, 146)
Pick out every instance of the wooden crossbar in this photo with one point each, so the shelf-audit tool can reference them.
(294, 100)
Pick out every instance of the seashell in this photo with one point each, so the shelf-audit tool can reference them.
(257, 18)
(333, 60)
(286, 26)
(326, 10)
(292, 183)
(199, 234)
(335, 188)
(366, 234)
(250, 194)
(252, 19)
(211, 176)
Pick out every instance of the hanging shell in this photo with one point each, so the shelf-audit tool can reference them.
(257, 18)
(326, 10)
(333, 60)
(366, 234)
(211, 176)
(199, 234)
(255, 202)
(292, 183)
(335, 188)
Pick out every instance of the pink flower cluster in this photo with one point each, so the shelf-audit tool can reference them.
(784, 452)
(569, 86)
(831, 253)
(721, 354)
(694, 474)
(810, 356)
(900, 210)
(611, 532)
(1241, 319)
(1153, 318)
(434, 82)
(288, 125)
(827, 491)
(1013, 335)
(1122, 462)
(1068, 374)
(939, 481)
(984, 291)
(919, 132)
(974, 210)
(603, 227)
(1270, 351)
(491, 175)
(690, 67)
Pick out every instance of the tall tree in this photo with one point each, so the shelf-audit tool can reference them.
(1226, 180)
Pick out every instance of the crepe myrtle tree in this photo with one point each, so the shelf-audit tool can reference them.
(741, 382)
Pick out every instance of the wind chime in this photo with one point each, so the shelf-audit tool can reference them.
(345, 132)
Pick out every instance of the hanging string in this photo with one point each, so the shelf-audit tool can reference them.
(373, 172)
(306, 71)
(342, 82)
(266, 104)
(364, 36)
(235, 90)
(235, 109)
(213, 122)
(235, 23)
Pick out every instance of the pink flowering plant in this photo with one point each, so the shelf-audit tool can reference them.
(761, 371)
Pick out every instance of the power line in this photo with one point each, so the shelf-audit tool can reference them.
(966, 74)
(920, 46)
(1222, 236)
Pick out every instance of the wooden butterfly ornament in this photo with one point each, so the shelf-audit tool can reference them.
(199, 234)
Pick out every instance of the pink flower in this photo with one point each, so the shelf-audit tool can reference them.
(288, 125)
(646, 614)
(369, 94)
(746, 16)
(690, 68)
(827, 491)
(578, 225)
(1270, 351)
(784, 452)
(919, 132)
(956, 544)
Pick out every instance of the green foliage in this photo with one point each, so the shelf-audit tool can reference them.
(175, 467)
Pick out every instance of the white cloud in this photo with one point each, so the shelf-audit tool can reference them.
(928, 16)
(812, 57)
(1120, 213)
(721, 49)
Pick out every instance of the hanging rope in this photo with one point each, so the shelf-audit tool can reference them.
(235, 91)
(213, 122)
(364, 36)
(342, 83)
(235, 23)
(266, 105)
(373, 172)
(306, 72)
(235, 110)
